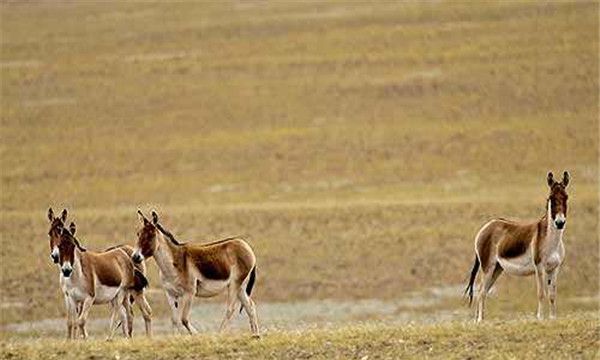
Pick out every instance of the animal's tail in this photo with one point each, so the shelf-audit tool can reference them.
(469, 289)
(250, 284)
(139, 280)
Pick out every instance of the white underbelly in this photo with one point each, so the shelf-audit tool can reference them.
(105, 294)
(73, 291)
(521, 265)
(207, 288)
(173, 288)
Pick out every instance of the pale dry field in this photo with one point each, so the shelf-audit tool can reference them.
(358, 146)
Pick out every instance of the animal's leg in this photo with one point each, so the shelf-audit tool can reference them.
(495, 276)
(85, 310)
(489, 277)
(541, 289)
(126, 304)
(231, 302)
(250, 308)
(123, 312)
(186, 307)
(113, 319)
(175, 305)
(71, 308)
(552, 276)
(79, 307)
(146, 310)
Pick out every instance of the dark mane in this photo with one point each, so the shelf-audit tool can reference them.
(69, 236)
(73, 239)
(167, 234)
(222, 240)
(113, 247)
(172, 238)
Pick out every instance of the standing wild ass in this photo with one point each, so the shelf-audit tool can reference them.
(523, 249)
(54, 234)
(203, 270)
(89, 278)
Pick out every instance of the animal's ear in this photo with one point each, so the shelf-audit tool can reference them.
(154, 217)
(72, 228)
(50, 214)
(81, 248)
(550, 179)
(142, 217)
(566, 178)
(63, 215)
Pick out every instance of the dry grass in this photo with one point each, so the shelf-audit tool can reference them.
(360, 147)
(572, 337)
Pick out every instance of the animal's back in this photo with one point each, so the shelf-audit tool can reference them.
(214, 260)
(503, 238)
(112, 266)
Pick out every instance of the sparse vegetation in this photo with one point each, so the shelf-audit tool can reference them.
(359, 146)
(572, 337)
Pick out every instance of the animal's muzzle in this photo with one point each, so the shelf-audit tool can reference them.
(560, 221)
(67, 272)
(137, 257)
(54, 254)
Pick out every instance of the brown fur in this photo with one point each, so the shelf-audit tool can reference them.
(501, 240)
(56, 226)
(213, 259)
(504, 238)
(509, 238)
(111, 268)
(190, 265)
(515, 238)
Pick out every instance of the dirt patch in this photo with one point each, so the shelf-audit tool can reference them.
(206, 317)
(49, 102)
(15, 64)
(11, 304)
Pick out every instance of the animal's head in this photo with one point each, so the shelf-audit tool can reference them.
(147, 242)
(66, 249)
(557, 200)
(56, 226)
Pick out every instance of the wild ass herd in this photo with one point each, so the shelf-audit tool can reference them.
(117, 275)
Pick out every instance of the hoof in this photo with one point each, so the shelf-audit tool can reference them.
(256, 336)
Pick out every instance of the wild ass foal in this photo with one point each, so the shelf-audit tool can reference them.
(89, 278)
(203, 270)
(523, 249)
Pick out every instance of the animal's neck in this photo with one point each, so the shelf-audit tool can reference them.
(553, 235)
(77, 267)
(164, 257)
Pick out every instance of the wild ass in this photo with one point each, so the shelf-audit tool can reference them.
(54, 234)
(203, 270)
(523, 249)
(90, 278)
